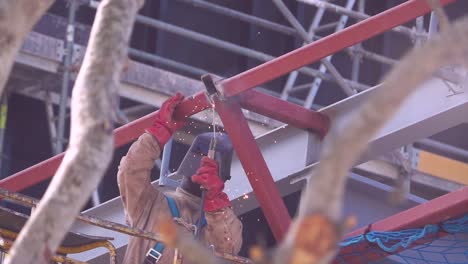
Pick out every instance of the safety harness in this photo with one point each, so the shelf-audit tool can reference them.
(155, 253)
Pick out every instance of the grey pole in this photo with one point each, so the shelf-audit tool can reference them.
(67, 61)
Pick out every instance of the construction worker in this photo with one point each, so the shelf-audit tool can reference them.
(146, 207)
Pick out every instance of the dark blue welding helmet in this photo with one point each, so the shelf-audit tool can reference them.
(199, 149)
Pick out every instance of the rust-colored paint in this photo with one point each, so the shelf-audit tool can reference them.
(443, 167)
(316, 236)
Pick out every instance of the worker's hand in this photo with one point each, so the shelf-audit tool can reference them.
(164, 124)
(207, 177)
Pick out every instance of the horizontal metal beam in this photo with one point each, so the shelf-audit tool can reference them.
(263, 57)
(138, 79)
(326, 46)
(242, 16)
(141, 83)
(443, 149)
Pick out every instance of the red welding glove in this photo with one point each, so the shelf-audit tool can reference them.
(207, 177)
(164, 124)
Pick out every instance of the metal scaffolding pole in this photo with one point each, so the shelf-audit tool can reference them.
(317, 82)
(66, 81)
(67, 62)
(356, 15)
(418, 41)
(51, 121)
(293, 75)
(443, 149)
(433, 25)
(326, 46)
(372, 56)
(196, 71)
(230, 47)
(326, 64)
(357, 57)
(166, 62)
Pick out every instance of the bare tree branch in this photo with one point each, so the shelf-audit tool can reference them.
(16, 20)
(323, 198)
(91, 142)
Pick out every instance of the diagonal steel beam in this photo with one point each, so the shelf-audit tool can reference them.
(326, 46)
(254, 166)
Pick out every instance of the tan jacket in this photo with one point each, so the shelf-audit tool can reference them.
(145, 206)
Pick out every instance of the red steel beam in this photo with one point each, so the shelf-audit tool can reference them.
(285, 112)
(253, 100)
(438, 210)
(122, 135)
(255, 167)
(326, 46)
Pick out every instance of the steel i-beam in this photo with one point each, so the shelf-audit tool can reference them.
(255, 167)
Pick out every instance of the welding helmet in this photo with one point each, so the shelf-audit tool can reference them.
(199, 149)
